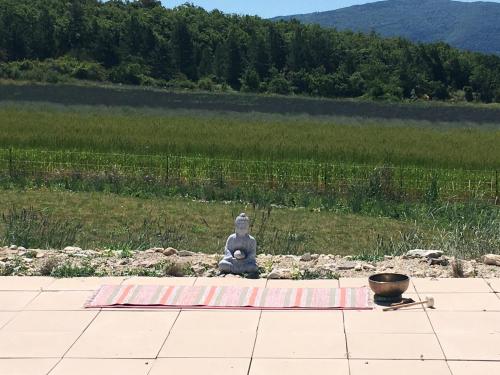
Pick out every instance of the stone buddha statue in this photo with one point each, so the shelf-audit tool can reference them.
(241, 249)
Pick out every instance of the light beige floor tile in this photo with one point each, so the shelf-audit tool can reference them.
(197, 366)
(393, 346)
(299, 366)
(209, 333)
(84, 283)
(300, 334)
(124, 334)
(381, 367)
(494, 284)
(39, 366)
(302, 283)
(33, 283)
(230, 281)
(60, 300)
(5, 317)
(139, 280)
(470, 346)
(15, 300)
(35, 334)
(465, 322)
(474, 368)
(71, 366)
(451, 285)
(386, 322)
(466, 302)
(353, 282)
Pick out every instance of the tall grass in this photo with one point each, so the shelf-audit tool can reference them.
(249, 137)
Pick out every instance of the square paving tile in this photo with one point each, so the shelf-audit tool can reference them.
(34, 334)
(376, 367)
(465, 322)
(393, 346)
(299, 366)
(471, 346)
(124, 334)
(33, 283)
(72, 366)
(230, 281)
(451, 286)
(83, 283)
(470, 368)
(208, 333)
(301, 334)
(205, 366)
(15, 300)
(39, 366)
(466, 302)
(139, 280)
(60, 300)
(302, 283)
(386, 322)
(494, 284)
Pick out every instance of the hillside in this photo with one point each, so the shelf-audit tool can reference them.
(143, 43)
(470, 26)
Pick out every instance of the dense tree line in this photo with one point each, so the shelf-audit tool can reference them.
(141, 42)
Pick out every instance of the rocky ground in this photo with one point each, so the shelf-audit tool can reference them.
(73, 261)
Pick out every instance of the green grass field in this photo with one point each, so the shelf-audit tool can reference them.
(135, 178)
(250, 136)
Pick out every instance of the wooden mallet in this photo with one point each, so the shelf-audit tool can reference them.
(429, 303)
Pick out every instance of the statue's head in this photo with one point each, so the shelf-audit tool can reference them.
(242, 224)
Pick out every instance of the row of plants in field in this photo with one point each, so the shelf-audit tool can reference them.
(249, 136)
(227, 179)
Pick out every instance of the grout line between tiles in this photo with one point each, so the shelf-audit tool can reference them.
(256, 336)
(346, 344)
(438, 340)
(168, 334)
(17, 312)
(80, 335)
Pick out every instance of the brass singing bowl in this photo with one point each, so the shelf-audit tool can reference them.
(389, 284)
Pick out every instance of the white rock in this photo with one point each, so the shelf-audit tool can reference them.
(12, 247)
(306, 257)
(369, 267)
(492, 259)
(72, 249)
(185, 253)
(358, 267)
(419, 253)
(155, 250)
(21, 248)
(274, 274)
(346, 266)
(169, 251)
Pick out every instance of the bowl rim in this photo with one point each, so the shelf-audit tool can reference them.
(405, 278)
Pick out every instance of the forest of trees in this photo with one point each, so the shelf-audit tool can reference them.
(143, 43)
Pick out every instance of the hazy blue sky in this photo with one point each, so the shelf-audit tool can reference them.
(271, 8)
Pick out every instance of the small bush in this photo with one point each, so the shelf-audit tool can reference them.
(71, 270)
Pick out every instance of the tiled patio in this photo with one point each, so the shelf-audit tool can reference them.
(45, 330)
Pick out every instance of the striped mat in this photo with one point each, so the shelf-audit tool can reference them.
(226, 297)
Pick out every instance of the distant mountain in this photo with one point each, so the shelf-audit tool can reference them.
(470, 26)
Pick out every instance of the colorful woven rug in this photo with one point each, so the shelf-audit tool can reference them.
(224, 297)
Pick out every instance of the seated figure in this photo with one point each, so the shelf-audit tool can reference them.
(241, 249)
